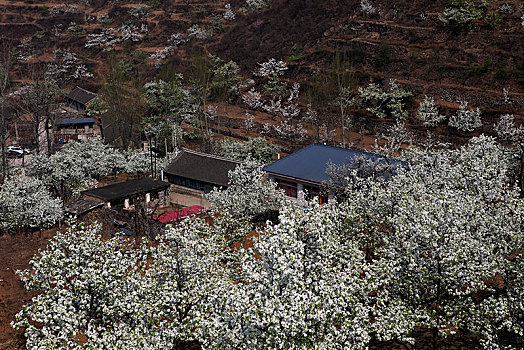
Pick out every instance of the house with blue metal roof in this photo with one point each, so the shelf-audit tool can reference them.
(302, 175)
(74, 129)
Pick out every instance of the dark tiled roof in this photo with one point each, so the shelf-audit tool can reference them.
(81, 95)
(127, 189)
(75, 121)
(81, 205)
(310, 163)
(202, 167)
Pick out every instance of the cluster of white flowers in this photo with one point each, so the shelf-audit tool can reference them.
(428, 112)
(506, 96)
(161, 54)
(67, 67)
(507, 130)
(367, 7)
(249, 121)
(254, 5)
(130, 32)
(394, 254)
(466, 119)
(271, 67)
(106, 38)
(229, 14)
(326, 134)
(109, 37)
(175, 41)
(79, 162)
(286, 109)
(197, 32)
(246, 194)
(25, 202)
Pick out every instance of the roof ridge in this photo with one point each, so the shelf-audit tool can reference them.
(90, 92)
(338, 147)
(210, 155)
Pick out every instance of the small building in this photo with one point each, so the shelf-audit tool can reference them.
(127, 194)
(74, 129)
(192, 174)
(80, 206)
(80, 98)
(303, 174)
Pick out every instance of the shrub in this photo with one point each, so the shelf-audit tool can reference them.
(494, 19)
(461, 13)
(390, 103)
(466, 119)
(383, 54)
(428, 112)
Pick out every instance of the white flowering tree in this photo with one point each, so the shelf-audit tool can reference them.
(229, 13)
(465, 119)
(104, 39)
(441, 229)
(84, 161)
(66, 67)
(247, 194)
(169, 101)
(93, 294)
(257, 149)
(428, 112)
(124, 294)
(25, 203)
(513, 136)
(305, 285)
(386, 104)
(194, 268)
(283, 103)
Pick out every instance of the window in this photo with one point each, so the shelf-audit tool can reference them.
(311, 192)
(290, 188)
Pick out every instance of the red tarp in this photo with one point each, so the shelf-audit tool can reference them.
(176, 215)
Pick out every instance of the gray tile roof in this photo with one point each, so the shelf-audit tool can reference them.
(81, 205)
(126, 189)
(81, 95)
(202, 167)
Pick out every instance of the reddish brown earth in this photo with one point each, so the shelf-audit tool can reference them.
(425, 56)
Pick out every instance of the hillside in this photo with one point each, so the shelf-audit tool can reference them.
(401, 40)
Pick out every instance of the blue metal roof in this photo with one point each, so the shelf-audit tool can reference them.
(76, 121)
(310, 163)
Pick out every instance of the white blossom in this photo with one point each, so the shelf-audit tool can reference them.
(428, 112)
(271, 67)
(465, 119)
(246, 194)
(25, 202)
(367, 7)
(197, 32)
(229, 14)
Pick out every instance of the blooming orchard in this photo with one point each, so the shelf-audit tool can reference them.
(420, 248)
